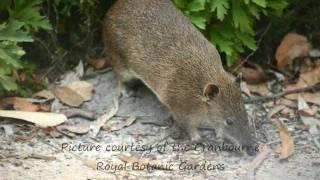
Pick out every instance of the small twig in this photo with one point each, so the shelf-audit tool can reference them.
(44, 46)
(57, 60)
(95, 73)
(257, 162)
(30, 136)
(315, 140)
(154, 123)
(38, 156)
(165, 122)
(79, 112)
(253, 52)
(97, 124)
(313, 88)
(137, 116)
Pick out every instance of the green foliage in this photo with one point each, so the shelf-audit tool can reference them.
(229, 24)
(45, 33)
(23, 18)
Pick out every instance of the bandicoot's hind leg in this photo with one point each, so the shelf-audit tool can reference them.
(124, 81)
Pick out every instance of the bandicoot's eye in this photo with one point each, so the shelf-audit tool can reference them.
(228, 122)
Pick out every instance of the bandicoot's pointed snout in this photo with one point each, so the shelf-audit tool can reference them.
(251, 151)
(251, 147)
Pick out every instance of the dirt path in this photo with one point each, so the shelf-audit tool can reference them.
(43, 157)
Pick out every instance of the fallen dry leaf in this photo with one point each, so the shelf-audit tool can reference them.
(277, 149)
(18, 103)
(46, 94)
(274, 111)
(260, 89)
(65, 132)
(96, 125)
(306, 79)
(302, 127)
(264, 152)
(83, 88)
(130, 120)
(302, 104)
(288, 103)
(287, 143)
(67, 96)
(46, 107)
(52, 131)
(287, 112)
(55, 134)
(28, 137)
(292, 46)
(311, 111)
(77, 129)
(118, 124)
(313, 123)
(39, 118)
(270, 104)
(308, 97)
(253, 75)
(304, 108)
(99, 63)
(73, 112)
(244, 88)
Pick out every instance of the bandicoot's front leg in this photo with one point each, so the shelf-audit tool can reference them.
(190, 126)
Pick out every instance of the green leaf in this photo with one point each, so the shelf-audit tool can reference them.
(238, 47)
(180, 3)
(12, 32)
(8, 83)
(247, 40)
(231, 59)
(221, 7)
(254, 10)
(246, 1)
(196, 5)
(198, 21)
(10, 54)
(225, 30)
(261, 3)
(265, 12)
(241, 19)
(277, 5)
(28, 12)
(222, 43)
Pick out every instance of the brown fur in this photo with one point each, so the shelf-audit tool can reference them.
(152, 41)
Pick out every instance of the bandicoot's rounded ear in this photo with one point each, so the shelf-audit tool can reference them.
(210, 91)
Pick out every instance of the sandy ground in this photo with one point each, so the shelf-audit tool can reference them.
(43, 157)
